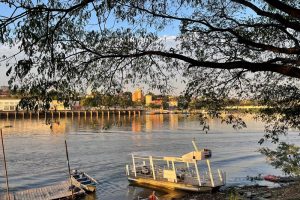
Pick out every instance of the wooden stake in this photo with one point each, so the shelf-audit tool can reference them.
(5, 167)
(67, 154)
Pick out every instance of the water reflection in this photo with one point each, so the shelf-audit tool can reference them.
(101, 146)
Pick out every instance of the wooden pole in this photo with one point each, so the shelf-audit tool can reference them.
(197, 172)
(210, 174)
(5, 167)
(152, 167)
(67, 154)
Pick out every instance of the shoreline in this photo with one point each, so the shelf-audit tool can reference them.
(288, 191)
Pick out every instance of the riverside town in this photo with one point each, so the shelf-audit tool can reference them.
(150, 100)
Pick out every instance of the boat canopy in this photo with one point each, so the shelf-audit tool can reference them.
(190, 157)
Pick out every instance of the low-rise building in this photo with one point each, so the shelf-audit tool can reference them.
(9, 104)
(57, 105)
(148, 99)
(173, 102)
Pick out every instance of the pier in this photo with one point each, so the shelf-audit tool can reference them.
(67, 113)
(57, 191)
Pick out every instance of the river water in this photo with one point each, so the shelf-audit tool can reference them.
(102, 146)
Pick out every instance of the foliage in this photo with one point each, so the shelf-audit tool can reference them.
(286, 157)
(154, 106)
(183, 102)
(223, 48)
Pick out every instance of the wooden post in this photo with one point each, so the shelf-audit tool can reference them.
(133, 163)
(197, 172)
(67, 154)
(15, 115)
(5, 167)
(210, 174)
(152, 167)
(52, 114)
(173, 167)
(220, 175)
(7, 115)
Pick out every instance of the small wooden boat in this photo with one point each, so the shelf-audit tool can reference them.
(83, 180)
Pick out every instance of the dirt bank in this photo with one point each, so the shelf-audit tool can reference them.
(289, 191)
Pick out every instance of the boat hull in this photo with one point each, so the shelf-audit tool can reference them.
(171, 185)
(88, 188)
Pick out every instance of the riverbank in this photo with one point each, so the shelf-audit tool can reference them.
(285, 192)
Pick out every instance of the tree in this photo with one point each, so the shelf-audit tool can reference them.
(183, 102)
(236, 48)
(286, 157)
(125, 100)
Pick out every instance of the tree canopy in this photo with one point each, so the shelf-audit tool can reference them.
(112, 42)
(241, 48)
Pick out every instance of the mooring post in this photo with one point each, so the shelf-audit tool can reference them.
(5, 167)
(67, 154)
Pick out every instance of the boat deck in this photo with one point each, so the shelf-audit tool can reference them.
(57, 191)
(187, 180)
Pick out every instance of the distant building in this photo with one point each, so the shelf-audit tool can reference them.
(57, 105)
(8, 104)
(4, 91)
(137, 95)
(173, 102)
(157, 102)
(148, 99)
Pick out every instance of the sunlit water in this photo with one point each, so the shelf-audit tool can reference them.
(36, 154)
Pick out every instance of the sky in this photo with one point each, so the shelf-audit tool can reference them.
(169, 32)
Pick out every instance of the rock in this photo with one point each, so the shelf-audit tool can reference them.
(260, 198)
(248, 194)
(267, 195)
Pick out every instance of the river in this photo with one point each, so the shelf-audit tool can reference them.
(102, 146)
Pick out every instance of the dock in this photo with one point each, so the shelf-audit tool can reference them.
(51, 192)
(23, 114)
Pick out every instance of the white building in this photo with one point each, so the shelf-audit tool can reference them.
(8, 104)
